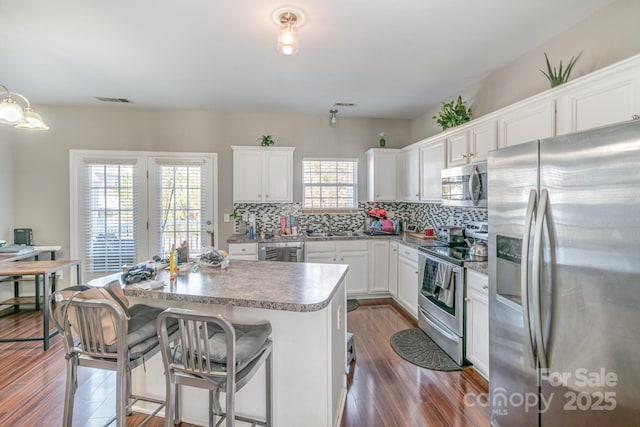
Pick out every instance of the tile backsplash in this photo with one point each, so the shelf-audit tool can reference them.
(421, 214)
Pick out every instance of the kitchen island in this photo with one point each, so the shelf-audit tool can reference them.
(306, 305)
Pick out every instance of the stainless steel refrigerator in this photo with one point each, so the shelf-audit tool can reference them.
(564, 272)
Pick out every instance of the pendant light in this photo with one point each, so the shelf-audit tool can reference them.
(333, 120)
(12, 113)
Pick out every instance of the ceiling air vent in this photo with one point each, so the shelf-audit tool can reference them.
(344, 104)
(108, 99)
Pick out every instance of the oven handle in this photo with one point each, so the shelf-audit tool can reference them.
(442, 330)
(537, 250)
(524, 277)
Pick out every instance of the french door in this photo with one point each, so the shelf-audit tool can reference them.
(127, 207)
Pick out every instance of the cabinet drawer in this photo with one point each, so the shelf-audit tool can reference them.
(477, 281)
(408, 253)
(324, 246)
(352, 245)
(243, 249)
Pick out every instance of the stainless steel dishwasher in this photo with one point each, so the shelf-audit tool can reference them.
(281, 251)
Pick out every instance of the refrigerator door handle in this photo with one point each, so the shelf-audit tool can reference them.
(537, 252)
(524, 277)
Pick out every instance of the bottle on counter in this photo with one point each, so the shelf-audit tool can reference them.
(173, 262)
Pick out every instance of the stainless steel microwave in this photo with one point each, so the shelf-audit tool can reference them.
(465, 185)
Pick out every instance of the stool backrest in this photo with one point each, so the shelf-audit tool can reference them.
(191, 353)
(88, 326)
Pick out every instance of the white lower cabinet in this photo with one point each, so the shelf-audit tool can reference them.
(393, 269)
(351, 252)
(477, 321)
(379, 266)
(243, 251)
(408, 279)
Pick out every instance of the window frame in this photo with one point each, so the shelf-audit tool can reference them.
(335, 209)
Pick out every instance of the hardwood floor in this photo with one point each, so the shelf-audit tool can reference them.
(384, 389)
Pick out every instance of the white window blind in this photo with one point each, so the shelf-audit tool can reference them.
(109, 214)
(330, 183)
(181, 207)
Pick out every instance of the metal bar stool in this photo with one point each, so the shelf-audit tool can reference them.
(212, 353)
(103, 336)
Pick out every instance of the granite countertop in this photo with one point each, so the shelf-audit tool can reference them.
(480, 267)
(299, 287)
(401, 238)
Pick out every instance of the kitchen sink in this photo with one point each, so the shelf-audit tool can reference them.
(336, 234)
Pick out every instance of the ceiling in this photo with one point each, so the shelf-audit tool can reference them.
(393, 59)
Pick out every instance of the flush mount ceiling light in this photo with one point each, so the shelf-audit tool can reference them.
(289, 20)
(12, 113)
(333, 120)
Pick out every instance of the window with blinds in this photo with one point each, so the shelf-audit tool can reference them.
(330, 183)
(109, 214)
(180, 205)
(127, 207)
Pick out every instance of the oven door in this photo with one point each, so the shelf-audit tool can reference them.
(449, 312)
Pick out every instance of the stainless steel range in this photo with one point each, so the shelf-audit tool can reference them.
(442, 287)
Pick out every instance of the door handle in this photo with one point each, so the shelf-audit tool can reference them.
(524, 277)
(535, 276)
(475, 178)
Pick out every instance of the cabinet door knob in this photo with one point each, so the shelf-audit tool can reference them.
(464, 156)
(635, 117)
(472, 154)
(467, 299)
(485, 286)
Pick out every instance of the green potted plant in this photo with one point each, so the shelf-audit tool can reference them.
(266, 140)
(453, 113)
(558, 76)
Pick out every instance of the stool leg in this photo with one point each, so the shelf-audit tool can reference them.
(69, 392)
(269, 391)
(170, 408)
(121, 394)
(177, 418)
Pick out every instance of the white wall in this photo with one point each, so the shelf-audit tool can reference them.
(6, 182)
(41, 159)
(608, 36)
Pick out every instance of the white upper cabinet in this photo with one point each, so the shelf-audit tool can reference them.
(432, 161)
(528, 122)
(613, 97)
(262, 174)
(411, 174)
(382, 175)
(473, 144)
(482, 139)
(458, 148)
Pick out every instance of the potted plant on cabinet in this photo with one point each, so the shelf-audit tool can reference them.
(266, 140)
(453, 113)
